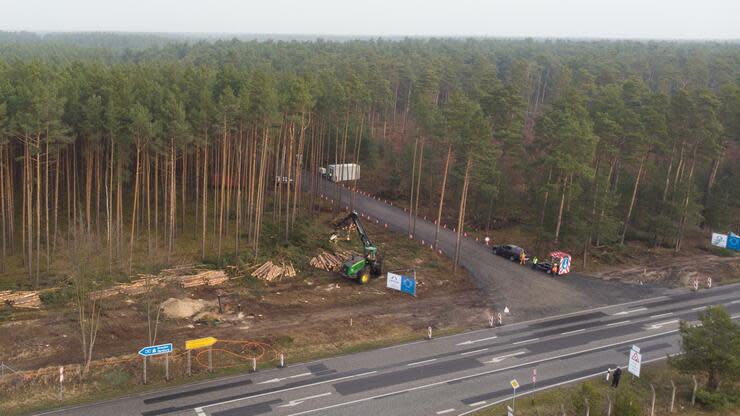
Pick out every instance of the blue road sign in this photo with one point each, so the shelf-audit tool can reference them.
(155, 350)
(408, 285)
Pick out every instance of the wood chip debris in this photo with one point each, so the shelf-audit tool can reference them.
(271, 272)
(330, 262)
(23, 299)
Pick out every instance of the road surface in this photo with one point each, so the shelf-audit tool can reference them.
(453, 375)
(527, 293)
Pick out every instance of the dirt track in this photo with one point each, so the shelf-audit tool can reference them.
(527, 293)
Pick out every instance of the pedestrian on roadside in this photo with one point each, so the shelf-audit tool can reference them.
(616, 377)
(522, 257)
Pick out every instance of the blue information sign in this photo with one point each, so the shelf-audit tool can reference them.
(408, 285)
(733, 242)
(155, 350)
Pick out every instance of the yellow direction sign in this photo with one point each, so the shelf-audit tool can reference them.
(194, 344)
(514, 384)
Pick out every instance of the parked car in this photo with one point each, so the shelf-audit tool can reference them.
(509, 251)
(542, 266)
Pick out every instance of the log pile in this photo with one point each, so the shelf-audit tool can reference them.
(206, 278)
(330, 261)
(271, 272)
(188, 276)
(26, 300)
(139, 286)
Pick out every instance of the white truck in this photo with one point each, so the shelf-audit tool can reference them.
(343, 172)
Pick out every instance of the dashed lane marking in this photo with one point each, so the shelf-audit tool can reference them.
(525, 341)
(473, 352)
(441, 412)
(422, 362)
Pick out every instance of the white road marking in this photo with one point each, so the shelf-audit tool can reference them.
(526, 340)
(476, 340)
(296, 402)
(484, 373)
(659, 325)
(734, 302)
(573, 332)
(277, 379)
(334, 380)
(699, 308)
(441, 412)
(473, 352)
(477, 403)
(618, 323)
(503, 357)
(631, 311)
(662, 315)
(364, 399)
(200, 412)
(422, 362)
(551, 387)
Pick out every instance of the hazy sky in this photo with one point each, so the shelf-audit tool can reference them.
(693, 19)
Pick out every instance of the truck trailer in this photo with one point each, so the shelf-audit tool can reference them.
(343, 172)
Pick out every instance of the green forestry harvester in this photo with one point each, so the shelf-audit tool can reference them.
(370, 264)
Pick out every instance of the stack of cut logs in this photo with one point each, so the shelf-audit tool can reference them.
(193, 277)
(328, 261)
(137, 287)
(271, 272)
(207, 278)
(27, 300)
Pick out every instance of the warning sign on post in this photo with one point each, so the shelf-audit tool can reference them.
(635, 359)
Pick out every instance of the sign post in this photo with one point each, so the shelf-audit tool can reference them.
(153, 350)
(61, 382)
(194, 344)
(635, 360)
(514, 385)
(534, 382)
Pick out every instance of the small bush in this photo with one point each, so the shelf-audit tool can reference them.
(714, 401)
(117, 378)
(589, 391)
(627, 402)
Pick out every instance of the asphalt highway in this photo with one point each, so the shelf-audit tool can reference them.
(452, 375)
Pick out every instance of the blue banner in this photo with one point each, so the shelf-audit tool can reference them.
(408, 285)
(733, 242)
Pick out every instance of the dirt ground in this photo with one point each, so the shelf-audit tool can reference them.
(662, 267)
(315, 311)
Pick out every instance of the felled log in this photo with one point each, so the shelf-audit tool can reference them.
(24, 299)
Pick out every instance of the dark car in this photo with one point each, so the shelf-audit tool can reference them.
(543, 266)
(509, 251)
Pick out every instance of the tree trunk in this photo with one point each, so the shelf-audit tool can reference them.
(411, 193)
(133, 209)
(442, 196)
(204, 211)
(461, 214)
(634, 196)
(560, 211)
(418, 185)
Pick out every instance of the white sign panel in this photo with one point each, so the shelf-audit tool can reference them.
(719, 240)
(393, 281)
(635, 360)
